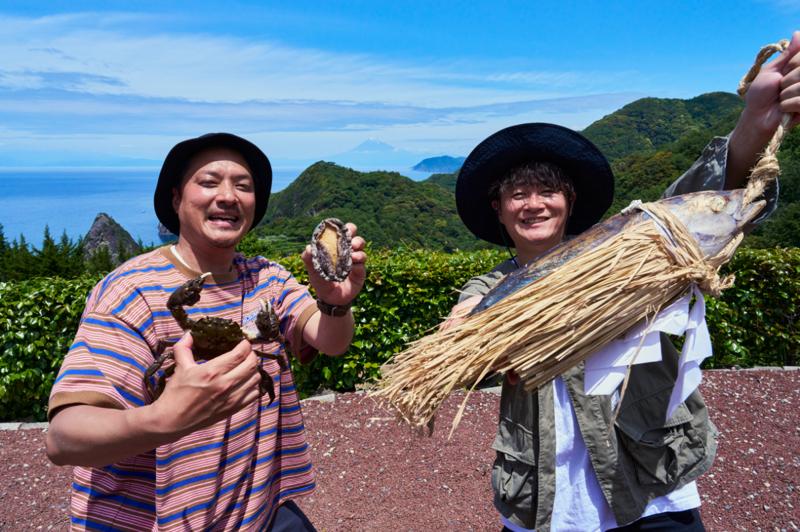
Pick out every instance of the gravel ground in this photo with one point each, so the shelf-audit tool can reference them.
(374, 474)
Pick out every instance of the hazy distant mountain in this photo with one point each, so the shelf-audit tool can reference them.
(388, 208)
(373, 154)
(649, 142)
(442, 164)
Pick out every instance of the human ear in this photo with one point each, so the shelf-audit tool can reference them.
(176, 199)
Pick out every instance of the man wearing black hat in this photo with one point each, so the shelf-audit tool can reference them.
(212, 450)
(562, 461)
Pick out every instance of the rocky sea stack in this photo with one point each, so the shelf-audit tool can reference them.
(107, 233)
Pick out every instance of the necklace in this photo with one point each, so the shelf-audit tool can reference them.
(178, 256)
(174, 250)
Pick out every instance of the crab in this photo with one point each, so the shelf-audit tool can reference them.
(213, 336)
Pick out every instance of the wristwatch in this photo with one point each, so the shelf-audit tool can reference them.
(333, 310)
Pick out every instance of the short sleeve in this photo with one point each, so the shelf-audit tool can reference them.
(477, 286)
(105, 366)
(294, 306)
(481, 284)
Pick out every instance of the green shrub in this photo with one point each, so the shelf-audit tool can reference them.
(408, 292)
(755, 323)
(39, 318)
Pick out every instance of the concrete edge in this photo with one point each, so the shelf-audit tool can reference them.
(324, 398)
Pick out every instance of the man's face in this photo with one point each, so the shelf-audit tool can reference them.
(534, 216)
(216, 199)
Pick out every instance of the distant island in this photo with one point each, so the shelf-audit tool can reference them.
(441, 164)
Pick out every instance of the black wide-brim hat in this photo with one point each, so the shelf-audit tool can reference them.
(177, 162)
(513, 146)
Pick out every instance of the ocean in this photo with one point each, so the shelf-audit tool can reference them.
(68, 200)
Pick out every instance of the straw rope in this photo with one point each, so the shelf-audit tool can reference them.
(767, 169)
(551, 325)
(539, 333)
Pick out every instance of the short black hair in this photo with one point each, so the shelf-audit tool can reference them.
(541, 174)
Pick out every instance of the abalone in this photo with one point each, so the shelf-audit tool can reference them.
(330, 250)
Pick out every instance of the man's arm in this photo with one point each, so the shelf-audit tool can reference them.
(772, 94)
(196, 396)
(726, 162)
(332, 334)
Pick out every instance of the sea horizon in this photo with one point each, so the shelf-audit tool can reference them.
(68, 199)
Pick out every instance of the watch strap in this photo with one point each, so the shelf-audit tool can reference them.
(333, 310)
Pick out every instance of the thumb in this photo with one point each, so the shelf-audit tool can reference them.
(306, 257)
(794, 44)
(779, 62)
(182, 352)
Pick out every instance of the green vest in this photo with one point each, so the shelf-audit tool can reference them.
(636, 459)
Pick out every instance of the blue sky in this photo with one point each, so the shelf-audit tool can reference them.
(104, 84)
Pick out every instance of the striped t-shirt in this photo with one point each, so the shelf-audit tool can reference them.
(227, 476)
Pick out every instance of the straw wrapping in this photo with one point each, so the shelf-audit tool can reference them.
(554, 323)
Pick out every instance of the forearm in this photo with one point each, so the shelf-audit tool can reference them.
(86, 435)
(329, 334)
(747, 141)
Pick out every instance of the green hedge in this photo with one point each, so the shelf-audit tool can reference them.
(755, 323)
(39, 318)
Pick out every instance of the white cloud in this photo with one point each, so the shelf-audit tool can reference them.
(214, 68)
(98, 83)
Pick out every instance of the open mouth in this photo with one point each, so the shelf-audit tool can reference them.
(534, 220)
(224, 219)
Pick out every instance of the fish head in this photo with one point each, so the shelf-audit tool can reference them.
(715, 218)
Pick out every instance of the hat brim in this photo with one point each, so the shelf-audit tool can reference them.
(510, 147)
(177, 160)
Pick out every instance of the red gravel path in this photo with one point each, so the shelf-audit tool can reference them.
(374, 474)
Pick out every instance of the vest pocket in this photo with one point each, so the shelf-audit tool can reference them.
(514, 481)
(662, 455)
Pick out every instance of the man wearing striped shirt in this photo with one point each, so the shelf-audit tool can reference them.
(210, 452)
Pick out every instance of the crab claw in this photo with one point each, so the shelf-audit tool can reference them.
(267, 385)
(267, 322)
(188, 293)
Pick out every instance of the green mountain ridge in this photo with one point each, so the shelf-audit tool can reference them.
(649, 143)
(650, 124)
(388, 208)
(443, 163)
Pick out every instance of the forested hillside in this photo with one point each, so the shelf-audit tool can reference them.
(388, 208)
(651, 124)
(652, 141)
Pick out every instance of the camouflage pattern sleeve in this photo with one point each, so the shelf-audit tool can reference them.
(708, 173)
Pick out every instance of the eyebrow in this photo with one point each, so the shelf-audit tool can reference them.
(237, 177)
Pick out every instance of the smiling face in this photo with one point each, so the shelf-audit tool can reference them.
(216, 199)
(533, 204)
(534, 217)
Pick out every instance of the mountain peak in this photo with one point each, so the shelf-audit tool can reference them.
(373, 146)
